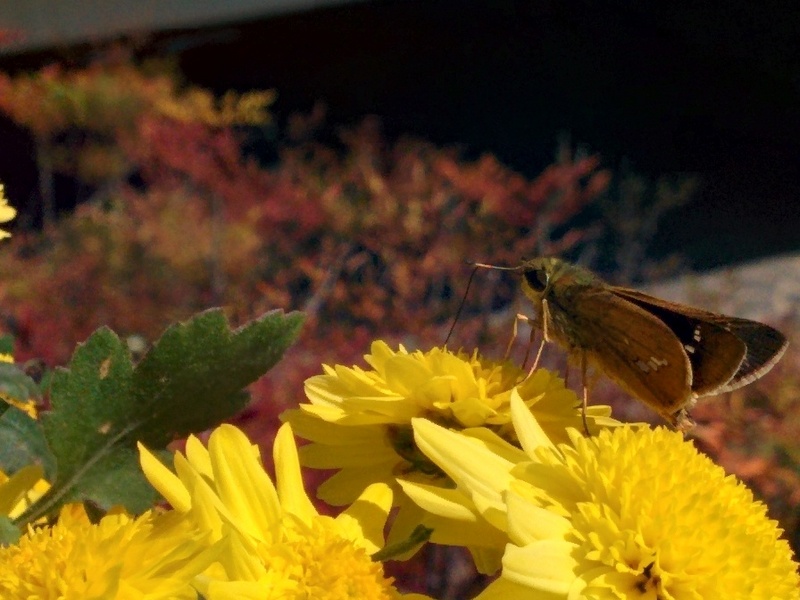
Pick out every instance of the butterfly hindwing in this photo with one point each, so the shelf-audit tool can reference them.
(765, 346)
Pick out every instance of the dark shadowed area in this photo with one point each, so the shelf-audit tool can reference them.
(672, 87)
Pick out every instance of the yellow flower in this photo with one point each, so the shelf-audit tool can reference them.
(638, 513)
(21, 490)
(360, 420)
(152, 557)
(6, 212)
(276, 543)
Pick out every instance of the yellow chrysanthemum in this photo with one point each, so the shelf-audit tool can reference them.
(360, 420)
(638, 513)
(6, 212)
(21, 490)
(153, 557)
(276, 543)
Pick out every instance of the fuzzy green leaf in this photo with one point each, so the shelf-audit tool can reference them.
(22, 443)
(193, 377)
(15, 384)
(190, 380)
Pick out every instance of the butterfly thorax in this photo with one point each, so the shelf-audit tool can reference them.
(557, 289)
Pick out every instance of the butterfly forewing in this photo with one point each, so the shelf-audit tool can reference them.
(652, 365)
(715, 352)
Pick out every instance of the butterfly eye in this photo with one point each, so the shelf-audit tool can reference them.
(537, 279)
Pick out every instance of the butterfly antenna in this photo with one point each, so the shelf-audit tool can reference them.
(463, 301)
(475, 267)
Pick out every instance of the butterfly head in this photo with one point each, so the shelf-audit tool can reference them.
(539, 275)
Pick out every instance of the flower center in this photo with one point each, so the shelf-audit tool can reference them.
(326, 565)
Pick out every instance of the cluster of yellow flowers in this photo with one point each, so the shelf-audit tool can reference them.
(480, 455)
(505, 470)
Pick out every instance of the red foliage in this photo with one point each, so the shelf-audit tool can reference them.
(369, 240)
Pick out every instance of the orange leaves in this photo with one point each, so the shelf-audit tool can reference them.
(200, 106)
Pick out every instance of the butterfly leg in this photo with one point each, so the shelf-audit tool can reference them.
(513, 335)
(535, 324)
(532, 324)
(538, 354)
(682, 421)
(545, 317)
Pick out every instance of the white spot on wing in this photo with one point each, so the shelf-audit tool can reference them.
(652, 364)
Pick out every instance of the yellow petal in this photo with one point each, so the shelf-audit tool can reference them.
(547, 566)
(530, 433)
(363, 521)
(469, 464)
(165, 481)
(291, 491)
(442, 502)
(7, 213)
(319, 456)
(472, 412)
(308, 425)
(21, 490)
(242, 484)
(345, 486)
(197, 455)
(528, 523)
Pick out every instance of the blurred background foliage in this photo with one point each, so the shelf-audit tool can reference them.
(181, 200)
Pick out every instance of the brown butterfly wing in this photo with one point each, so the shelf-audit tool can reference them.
(716, 353)
(631, 346)
(765, 346)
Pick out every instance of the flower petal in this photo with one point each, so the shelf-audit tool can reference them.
(242, 484)
(291, 491)
(530, 434)
(470, 465)
(165, 481)
(546, 566)
(363, 521)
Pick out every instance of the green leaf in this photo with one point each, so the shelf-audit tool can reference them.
(9, 533)
(22, 443)
(416, 538)
(15, 384)
(193, 377)
(190, 380)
